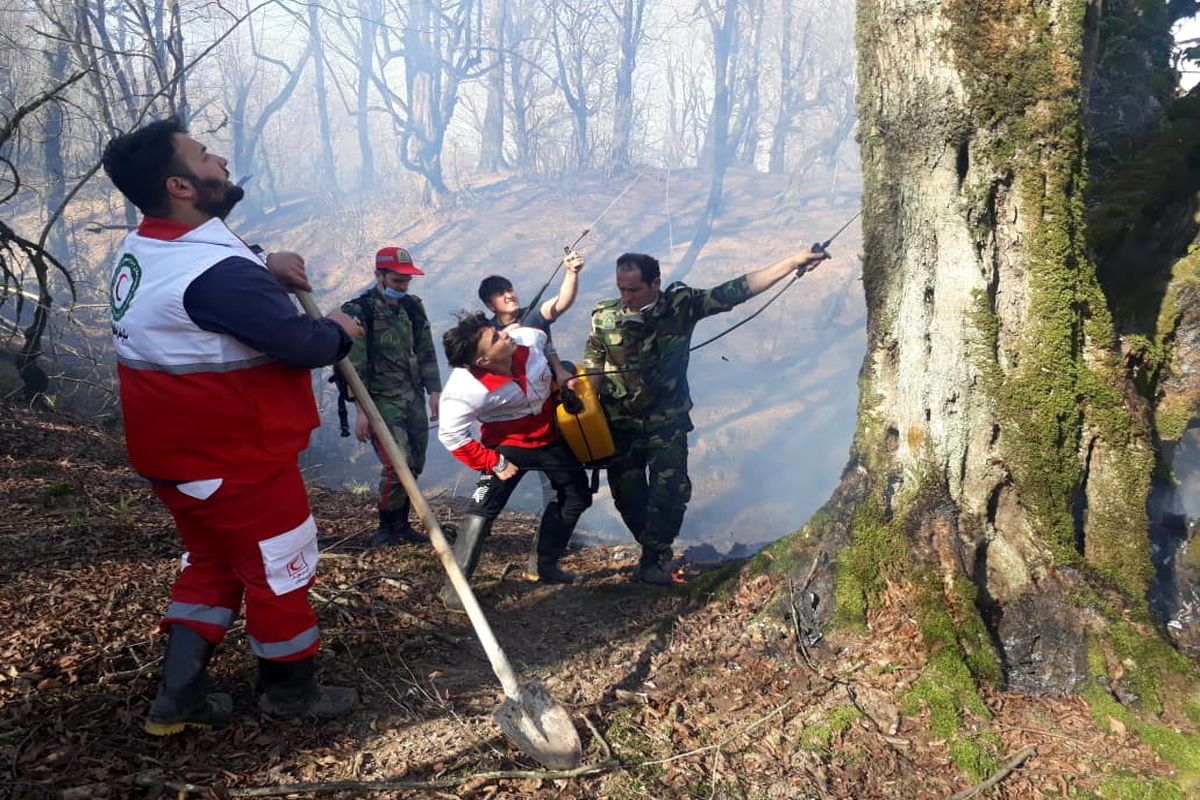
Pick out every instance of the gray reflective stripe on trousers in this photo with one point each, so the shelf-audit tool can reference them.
(195, 612)
(188, 369)
(276, 650)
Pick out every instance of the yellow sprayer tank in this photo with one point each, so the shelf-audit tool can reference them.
(586, 433)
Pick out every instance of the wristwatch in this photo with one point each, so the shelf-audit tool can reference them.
(501, 465)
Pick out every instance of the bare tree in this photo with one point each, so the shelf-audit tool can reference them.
(326, 165)
(491, 147)
(744, 133)
(722, 20)
(577, 61)
(629, 16)
(528, 84)
(438, 42)
(250, 105)
(20, 255)
(791, 70)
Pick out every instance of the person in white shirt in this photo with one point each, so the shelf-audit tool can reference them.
(502, 381)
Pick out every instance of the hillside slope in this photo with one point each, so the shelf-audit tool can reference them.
(782, 385)
(697, 694)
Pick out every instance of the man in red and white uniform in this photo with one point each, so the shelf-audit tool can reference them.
(501, 381)
(214, 364)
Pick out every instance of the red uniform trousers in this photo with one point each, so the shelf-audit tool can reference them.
(252, 538)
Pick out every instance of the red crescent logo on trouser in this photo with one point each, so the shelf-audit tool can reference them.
(297, 566)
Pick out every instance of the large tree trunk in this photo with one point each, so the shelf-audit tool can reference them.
(1003, 457)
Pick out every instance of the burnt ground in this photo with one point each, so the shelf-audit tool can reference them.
(660, 676)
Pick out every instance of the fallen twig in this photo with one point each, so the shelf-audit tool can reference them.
(998, 775)
(752, 726)
(476, 779)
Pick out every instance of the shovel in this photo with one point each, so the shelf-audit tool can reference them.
(529, 716)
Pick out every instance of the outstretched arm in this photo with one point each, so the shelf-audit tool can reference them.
(760, 280)
(556, 306)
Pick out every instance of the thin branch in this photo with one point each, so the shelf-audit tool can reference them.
(28, 108)
(164, 89)
(748, 729)
(999, 775)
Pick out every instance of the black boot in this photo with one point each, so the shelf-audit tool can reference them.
(548, 547)
(531, 564)
(467, 547)
(183, 699)
(654, 567)
(394, 528)
(290, 689)
(548, 571)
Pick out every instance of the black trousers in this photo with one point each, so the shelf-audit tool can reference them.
(567, 478)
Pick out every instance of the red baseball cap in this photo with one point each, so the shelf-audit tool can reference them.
(396, 259)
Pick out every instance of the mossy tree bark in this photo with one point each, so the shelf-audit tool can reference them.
(1005, 446)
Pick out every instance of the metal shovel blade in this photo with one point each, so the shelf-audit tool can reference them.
(541, 727)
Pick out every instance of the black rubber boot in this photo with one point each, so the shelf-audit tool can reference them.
(290, 689)
(548, 547)
(548, 571)
(394, 529)
(654, 567)
(467, 547)
(183, 700)
(531, 564)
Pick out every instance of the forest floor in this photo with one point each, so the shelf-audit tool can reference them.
(679, 692)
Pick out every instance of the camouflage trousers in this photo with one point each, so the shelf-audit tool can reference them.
(409, 423)
(649, 483)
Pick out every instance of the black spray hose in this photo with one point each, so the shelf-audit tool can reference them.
(818, 247)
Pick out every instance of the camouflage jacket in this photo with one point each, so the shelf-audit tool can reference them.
(653, 347)
(404, 362)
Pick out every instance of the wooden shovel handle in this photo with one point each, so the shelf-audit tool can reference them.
(366, 405)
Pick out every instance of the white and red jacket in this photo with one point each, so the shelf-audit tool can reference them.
(197, 404)
(514, 410)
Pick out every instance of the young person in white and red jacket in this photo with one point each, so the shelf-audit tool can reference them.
(216, 394)
(501, 381)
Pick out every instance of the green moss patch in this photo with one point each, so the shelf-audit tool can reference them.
(877, 550)
(820, 735)
(1152, 668)
(1138, 787)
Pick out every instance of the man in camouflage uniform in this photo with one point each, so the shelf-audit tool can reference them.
(642, 341)
(398, 364)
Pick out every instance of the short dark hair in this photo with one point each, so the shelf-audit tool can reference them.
(491, 285)
(139, 163)
(461, 342)
(646, 265)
